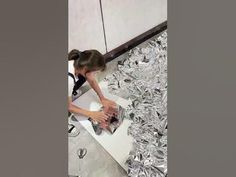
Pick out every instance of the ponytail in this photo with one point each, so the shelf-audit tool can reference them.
(74, 55)
(91, 59)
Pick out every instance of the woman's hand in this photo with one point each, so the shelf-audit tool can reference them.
(98, 116)
(104, 125)
(110, 107)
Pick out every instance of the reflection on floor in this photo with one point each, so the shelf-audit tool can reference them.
(96, 163)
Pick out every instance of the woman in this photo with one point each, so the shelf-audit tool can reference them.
(85, 65)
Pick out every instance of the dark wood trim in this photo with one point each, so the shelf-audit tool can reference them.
(134, 42)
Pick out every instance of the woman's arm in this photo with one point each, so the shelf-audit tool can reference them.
(106, 102)
(98, 116)
(93, 83)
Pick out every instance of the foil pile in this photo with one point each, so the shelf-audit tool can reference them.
(142, 77)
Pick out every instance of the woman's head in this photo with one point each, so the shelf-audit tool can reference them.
(88, 60)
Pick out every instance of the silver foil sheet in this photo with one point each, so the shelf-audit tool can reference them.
(142, 77)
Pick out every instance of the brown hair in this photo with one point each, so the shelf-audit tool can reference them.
(93, 60)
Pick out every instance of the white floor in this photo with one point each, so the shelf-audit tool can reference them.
(96, 163)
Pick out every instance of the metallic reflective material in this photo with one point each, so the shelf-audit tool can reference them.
(142, 77)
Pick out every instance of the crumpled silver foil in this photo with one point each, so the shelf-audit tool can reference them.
(142, 77)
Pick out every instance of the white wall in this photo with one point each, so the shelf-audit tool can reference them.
(126, 19)
(85, 25)
(123, 19)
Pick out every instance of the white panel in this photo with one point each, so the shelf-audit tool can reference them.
(127, 19)
(85, 25)
(117, 145)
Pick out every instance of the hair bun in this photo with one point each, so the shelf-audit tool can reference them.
(74, 54)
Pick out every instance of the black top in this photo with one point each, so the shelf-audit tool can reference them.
(81, 80)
